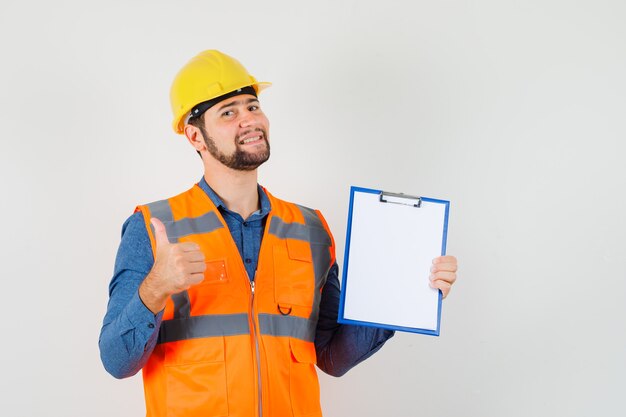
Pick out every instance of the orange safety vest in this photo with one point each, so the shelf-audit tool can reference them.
(230, 346)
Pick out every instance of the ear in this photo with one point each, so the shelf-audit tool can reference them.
(194, 136)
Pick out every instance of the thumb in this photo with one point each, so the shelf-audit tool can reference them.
(160, 234)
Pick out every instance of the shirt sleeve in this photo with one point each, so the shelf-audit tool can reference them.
(340, 347)
(129, 330)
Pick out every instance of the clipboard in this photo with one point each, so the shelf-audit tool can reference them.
(390, 244)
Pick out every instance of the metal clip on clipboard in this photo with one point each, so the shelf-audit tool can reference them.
(400, 198)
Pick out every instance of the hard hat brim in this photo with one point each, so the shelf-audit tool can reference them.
(179, 125)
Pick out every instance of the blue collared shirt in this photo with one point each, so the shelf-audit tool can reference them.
(129, 331)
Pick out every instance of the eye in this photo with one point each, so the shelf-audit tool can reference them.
(253, 107)
(228, 113)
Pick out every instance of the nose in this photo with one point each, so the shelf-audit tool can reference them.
(247, 119)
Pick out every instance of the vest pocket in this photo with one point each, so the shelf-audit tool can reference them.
(294, 281)
(303, 383)
(195, 373)
(215, 272)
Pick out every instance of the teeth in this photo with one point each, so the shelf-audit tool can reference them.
(251, 139)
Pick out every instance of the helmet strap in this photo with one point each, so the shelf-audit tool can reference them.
(199, 109)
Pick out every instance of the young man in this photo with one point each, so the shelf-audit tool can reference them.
(226, 296)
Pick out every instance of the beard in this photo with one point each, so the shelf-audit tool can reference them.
(239, 160)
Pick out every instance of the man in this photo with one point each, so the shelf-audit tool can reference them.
(226, 296)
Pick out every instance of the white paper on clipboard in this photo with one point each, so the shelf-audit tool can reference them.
(390, 244)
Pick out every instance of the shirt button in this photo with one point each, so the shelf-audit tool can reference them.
(150, 325)
(248, 260)
(245, 224)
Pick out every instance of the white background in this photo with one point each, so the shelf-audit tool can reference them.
(512, 110)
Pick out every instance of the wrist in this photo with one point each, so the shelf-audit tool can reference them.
(151, 296)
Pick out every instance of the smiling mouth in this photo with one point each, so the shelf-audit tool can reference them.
(257, 137)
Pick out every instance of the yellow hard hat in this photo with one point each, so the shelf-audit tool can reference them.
(208, 75)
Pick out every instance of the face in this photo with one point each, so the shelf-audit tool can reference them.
(236, 133)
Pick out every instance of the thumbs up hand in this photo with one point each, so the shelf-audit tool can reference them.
(177, 266)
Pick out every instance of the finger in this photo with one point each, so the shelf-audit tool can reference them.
(194, 256)
(195, 267)
(196, 278)
(449, 277)
(445, 259)
(445, 266)
(443, 286)
(160, 234)
(189, 247)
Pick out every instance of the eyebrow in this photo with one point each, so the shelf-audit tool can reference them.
(237, 103)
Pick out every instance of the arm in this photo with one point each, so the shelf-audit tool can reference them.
(140, 287)
(129, 331)
(340, 347)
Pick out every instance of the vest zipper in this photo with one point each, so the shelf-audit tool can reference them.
(256, 345)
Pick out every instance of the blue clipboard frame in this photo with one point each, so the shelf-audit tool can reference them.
(346, 260)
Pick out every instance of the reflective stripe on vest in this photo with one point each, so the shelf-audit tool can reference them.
(203, 326)
(184, 227)
(236, 324)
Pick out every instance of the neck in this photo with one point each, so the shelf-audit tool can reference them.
(237, 189)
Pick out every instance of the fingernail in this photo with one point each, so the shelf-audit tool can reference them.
(433, 268)
(431, 277)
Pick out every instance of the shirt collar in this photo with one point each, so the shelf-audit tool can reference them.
(264, 200)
